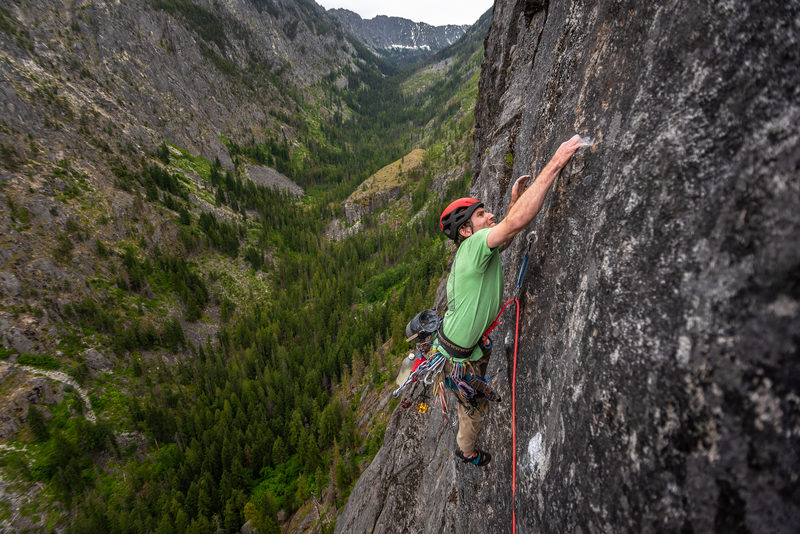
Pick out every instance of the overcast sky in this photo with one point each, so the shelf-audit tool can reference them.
(434, 12)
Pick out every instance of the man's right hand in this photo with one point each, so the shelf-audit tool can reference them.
(566, 150)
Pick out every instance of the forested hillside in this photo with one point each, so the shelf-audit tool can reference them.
(185, 348)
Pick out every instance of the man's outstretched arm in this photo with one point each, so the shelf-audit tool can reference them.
(523, 211)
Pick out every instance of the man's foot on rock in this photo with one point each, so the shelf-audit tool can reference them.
(479, 459)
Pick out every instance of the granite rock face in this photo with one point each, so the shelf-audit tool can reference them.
(658, 382)
(409, 486)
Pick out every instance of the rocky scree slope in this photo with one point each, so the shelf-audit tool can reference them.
(657, 378)
(178, 70)
(383, 34)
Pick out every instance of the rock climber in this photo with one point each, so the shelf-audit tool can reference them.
(475, 285)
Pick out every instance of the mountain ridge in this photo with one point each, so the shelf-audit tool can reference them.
(397, 37)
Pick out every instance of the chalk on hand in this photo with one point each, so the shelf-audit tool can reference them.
(587, 141)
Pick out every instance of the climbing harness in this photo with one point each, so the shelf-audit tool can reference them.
(429, 371)
(453, 350)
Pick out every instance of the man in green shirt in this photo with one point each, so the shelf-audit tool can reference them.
(475, 285)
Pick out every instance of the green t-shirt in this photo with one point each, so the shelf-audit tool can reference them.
(474, 291)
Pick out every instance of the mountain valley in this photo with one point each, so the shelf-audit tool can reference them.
(183, 348)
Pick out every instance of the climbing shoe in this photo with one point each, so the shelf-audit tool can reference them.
(479, 460)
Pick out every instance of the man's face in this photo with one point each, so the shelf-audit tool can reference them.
(480, 219)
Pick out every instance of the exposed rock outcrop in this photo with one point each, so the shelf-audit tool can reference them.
(98, 361)
(382, 187)
(408, 487)
(338, 229)
(355, 210)
(19, 340)
(9, 284)
(658, 385)
(23, 390)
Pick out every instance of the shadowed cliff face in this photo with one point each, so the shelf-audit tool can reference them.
(658, 382)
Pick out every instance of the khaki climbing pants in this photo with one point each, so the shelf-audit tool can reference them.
(469, 425)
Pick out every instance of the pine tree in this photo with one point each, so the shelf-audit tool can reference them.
(302, 489)
(251, 514)
(319, 482)
(358, 367)
(328, 425)
(163, 153)
(37, 423)
(279, 454)
(342, 480)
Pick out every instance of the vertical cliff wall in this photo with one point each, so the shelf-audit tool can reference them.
(658, 382)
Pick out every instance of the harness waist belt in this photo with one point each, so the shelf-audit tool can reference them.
(452, 350)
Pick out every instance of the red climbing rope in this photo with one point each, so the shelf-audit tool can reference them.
(514, 428)
(513, 410)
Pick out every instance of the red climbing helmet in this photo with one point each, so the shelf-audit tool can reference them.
(456, 214)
